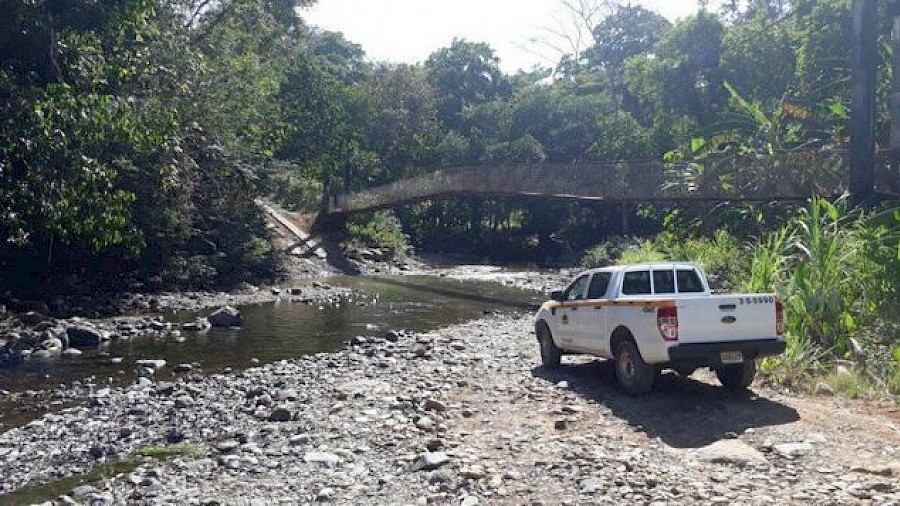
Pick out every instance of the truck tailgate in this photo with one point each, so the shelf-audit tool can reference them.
(721, 318)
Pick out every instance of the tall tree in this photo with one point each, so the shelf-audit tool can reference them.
(463, 75)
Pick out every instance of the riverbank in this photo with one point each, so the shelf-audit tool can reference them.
(462, 415)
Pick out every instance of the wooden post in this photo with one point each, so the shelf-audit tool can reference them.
(624, 218)
(895, 96)
(862, 112)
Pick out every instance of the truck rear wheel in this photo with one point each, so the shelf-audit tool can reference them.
(737, 376)
(551, 355)
(635, 376)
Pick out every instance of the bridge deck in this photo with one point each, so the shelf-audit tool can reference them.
(616, 182)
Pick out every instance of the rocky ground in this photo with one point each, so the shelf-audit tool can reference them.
(462, 415)
(542, 280)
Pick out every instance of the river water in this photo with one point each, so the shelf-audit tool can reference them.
(284, 329)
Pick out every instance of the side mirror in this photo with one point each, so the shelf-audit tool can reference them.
(556, 295)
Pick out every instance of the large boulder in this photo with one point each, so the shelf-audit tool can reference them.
(83, 335)
(226, 316)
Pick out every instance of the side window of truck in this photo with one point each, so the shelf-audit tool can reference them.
(636, 283)
(577, 289)
(688, 281)
(599, 284)
(663, 282)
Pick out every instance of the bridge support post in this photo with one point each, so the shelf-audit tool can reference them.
(862, 113)
(895, 85)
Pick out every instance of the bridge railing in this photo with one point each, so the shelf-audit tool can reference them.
(791, 176)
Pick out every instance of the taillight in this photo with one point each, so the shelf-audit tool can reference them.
(667, 322)
(779, 318)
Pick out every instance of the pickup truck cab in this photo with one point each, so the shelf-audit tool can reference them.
(650, 317)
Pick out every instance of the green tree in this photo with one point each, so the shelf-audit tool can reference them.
(464, 75)
(402, 128)
(680, 85)
(630, 30)
(759, 57)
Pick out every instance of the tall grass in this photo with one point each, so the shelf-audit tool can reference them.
(769, 263)
(820, 264)
(837, 270)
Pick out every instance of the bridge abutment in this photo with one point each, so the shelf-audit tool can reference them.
(329, 223)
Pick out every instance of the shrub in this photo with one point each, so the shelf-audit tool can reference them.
(818, 264)
(295, 191)
(793, 367)
(383, 230)
(608, 252)
(717, 255)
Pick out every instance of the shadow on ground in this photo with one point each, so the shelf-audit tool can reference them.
(682, 412)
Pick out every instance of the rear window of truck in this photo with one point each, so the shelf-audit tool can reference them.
(688, 281)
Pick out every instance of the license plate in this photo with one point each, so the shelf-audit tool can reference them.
(731, 357)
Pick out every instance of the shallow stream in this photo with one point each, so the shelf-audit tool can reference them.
(285, 329)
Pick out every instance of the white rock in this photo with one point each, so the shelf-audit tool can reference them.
(730, 451)
(328, 459)
(792, 450)
(431, 460)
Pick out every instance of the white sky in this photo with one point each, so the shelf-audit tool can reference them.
(409, 30)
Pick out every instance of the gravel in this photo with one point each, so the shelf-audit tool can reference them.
(462, 415)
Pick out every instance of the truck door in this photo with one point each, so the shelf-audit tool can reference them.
(569, 315)
(593, 333)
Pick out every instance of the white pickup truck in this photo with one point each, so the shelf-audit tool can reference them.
(650, 317)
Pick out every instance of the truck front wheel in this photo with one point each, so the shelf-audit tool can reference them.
(551, 355)
(737, 376)
(635, 376)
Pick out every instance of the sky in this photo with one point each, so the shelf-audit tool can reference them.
(408, 31)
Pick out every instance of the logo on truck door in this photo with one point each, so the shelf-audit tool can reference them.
(565, 319)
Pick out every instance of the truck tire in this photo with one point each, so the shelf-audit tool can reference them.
(737, 376)
(634, 375)
(551, 355)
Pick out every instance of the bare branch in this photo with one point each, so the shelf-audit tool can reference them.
(572, 35)
(197, 11)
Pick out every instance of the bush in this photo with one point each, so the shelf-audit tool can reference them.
(293, 190)
(820, 264)
(834, 270)
(717, 255)
(383, 230)
(794, 366)
(609, 252)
